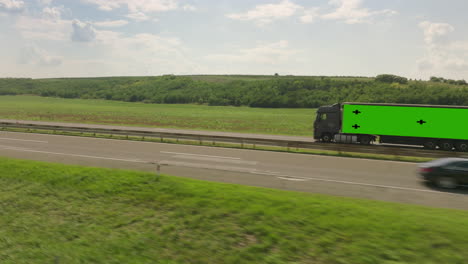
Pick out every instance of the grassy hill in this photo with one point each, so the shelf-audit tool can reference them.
(244, 90)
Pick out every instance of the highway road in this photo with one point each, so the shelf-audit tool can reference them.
(359, 178)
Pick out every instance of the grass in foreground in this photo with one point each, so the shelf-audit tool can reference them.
(71, 214)
(298, 122)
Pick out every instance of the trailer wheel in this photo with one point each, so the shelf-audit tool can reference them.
(430, 144)
(446, 145)
(326, 137)
(461, 146)
(365, 140)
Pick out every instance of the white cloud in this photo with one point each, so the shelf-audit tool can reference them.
(43, 28)
(143, 53)
(443, 56)
(111, 23)
(33, 55)
(138, 16)
(11, 5)
(53, 13)
(135, 6)
(351, 12)
(189, 8)
(45, 2)
(310, 15)
(263, 53)
(82, 32)
(267, 13)
(435, 32)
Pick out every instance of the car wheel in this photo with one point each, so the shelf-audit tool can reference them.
(446, 145)
(365, 140)
(327, 137)
(461, 146)
(446, 182)
(430, 145)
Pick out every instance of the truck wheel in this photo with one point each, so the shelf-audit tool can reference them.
(461, 146)
(430, 145)
(327, 137)
(446, 182)
(446, 145)
(365, 140)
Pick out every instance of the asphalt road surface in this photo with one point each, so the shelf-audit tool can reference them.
(359, 178)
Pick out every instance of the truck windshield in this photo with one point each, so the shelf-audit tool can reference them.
(321, 116)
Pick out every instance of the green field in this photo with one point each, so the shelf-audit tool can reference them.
(68, 214)
(184, 116)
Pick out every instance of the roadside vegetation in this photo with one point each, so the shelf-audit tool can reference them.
(68, 214)
(253, 91)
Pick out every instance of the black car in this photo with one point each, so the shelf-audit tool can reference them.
(446, 172)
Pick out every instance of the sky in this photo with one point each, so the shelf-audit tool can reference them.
(86, 38)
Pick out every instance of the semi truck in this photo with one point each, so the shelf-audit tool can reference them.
(432, 126)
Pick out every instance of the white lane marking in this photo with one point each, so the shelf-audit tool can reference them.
(216, 159)
(72, 155)
(278, 175)
(237, 169)
(283, 153)
(350, 158)
(200, 155)
(291, 179)
(207, 166)
(25, 140)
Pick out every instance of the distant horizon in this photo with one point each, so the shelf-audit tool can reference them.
(161, 75)
(91, 38)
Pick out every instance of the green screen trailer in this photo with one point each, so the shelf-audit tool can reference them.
(432, 125)
(428, 125)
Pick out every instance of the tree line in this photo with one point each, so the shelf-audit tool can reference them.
(274, 92)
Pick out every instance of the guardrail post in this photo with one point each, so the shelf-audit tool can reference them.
(395, 153)
(338, 149)
(158, 169)
(242, 143)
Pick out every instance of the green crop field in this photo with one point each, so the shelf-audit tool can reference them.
(68, 214)
(184, 116)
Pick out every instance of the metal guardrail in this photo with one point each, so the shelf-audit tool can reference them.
(241, 140)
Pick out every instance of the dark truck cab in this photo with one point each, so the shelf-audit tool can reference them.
(327, 123)
(328, 127)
